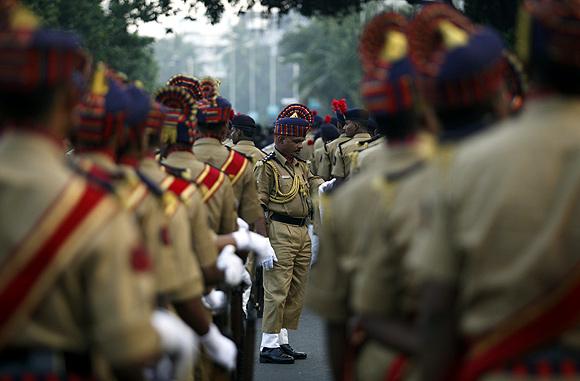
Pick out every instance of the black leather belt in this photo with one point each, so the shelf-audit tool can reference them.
(288, 220)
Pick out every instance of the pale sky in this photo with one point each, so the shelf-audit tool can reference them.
(191, 29)
(201, 29)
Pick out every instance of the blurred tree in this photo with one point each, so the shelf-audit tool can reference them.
(105, 32)
(326, 50)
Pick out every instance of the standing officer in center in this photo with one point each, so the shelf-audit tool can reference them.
(243, 132)
(284, 187)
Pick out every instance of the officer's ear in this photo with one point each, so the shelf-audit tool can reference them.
(280, 139)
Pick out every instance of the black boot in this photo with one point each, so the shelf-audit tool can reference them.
(286, 348)
(275, 356)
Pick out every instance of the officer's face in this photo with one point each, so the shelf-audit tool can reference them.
(289, 145)
(350, 128)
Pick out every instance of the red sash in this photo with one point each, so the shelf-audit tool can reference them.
(396, 370)
(180, 187)
(32, 267)
(210, 181)
(537, 324)
(234, 166)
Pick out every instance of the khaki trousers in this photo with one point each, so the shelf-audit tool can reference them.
(285, 284)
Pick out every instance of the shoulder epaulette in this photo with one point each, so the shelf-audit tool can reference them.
(369, 141)
(93, 174)
(241, 153)
(269, 156)
(210, 180)
(179, 187)
(399, 175)
(183, 173)
(235, 165)
(151, 185)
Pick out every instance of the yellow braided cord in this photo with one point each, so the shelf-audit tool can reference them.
(281, 197)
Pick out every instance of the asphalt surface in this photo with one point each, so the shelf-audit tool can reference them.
(308, 338)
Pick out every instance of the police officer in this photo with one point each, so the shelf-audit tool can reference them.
(307, 152)
(75, 278)
(216, 188)
(177, 271)
(356, 128)
(243, 132)
(284, 187)
(510, 262)
(328, 132)
(213, 116)
(340, 107)
(359, 272)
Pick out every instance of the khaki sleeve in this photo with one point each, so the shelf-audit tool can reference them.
(228, 217)
(264, 182)
(121, 294)
(432, 256)
(327, 292)
(376, 283)
(338, 169)
(249, 208)
(201, 235)
(324, 166)
(185, 266)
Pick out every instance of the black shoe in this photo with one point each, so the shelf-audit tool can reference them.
(286, 348)
(275, 356)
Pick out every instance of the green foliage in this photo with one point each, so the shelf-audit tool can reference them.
(327, 51)
(104, 32)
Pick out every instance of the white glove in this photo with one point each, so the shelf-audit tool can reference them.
(221, 349)
(268, 264)
(326, 186)
(260, 245)
(231, 265)
(215, 301)
(177, 339)
(242, 224)
(246, 280)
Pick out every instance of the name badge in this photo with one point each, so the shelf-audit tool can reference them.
(286, 177)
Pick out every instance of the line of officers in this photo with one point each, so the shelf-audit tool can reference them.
(449, 239)
(131, 256)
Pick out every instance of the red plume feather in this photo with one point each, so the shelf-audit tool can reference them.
(339, 105)
(327, 119)
(314, 113)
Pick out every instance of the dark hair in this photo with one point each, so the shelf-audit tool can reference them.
(246, 132)
(31, 106)
(213, 130)
(474, 114)
(398, 126)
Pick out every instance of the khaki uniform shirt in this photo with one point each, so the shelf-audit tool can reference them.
(368, 154)
(211, 151)
(103, 300)
(275, 177)
(307, 151)
(326, 164)
(364, 219)
(502, 223)
(178, 272)
(220, 207)
(342, 155)
(248, 148)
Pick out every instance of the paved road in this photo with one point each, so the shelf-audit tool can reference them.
(309, 338)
